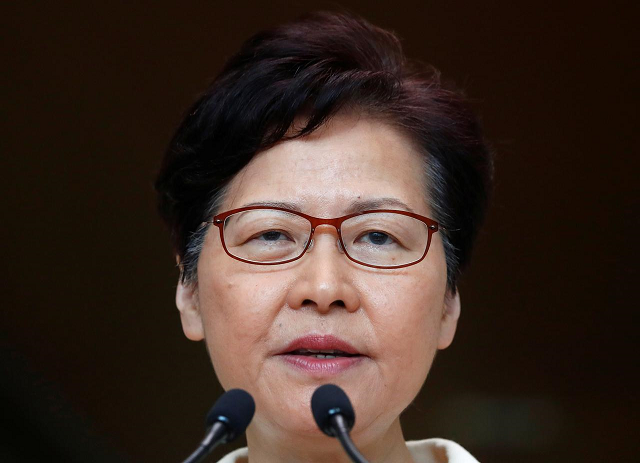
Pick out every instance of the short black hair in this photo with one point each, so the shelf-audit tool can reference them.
(315, 67)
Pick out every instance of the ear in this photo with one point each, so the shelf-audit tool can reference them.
(449, 322)
(187, 303)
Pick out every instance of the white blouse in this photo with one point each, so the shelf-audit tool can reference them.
(422, 451)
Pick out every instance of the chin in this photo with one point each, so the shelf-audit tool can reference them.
(295, 424)
(295, 417)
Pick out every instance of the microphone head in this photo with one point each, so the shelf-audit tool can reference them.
(329, 400)
(235, 408)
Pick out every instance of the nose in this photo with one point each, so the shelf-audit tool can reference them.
(325, 279)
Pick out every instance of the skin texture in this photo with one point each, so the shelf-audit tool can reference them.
(398, 318)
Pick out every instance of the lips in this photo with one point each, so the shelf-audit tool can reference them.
(320, 344)
(321, 356)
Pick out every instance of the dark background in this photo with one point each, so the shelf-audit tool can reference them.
(94, 363)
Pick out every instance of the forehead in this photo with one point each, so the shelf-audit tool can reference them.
(350, 158)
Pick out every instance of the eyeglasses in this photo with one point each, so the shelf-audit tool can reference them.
(377, 238)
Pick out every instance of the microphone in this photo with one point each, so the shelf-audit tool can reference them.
(335, 417)
(227, 419)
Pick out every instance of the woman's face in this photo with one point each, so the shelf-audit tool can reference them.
(394, 319)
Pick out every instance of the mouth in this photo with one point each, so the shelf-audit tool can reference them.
(320, 345)
(321, 355)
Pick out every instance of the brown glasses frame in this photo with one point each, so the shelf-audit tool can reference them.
(219, 220)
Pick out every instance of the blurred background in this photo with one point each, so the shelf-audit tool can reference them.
(94, 365)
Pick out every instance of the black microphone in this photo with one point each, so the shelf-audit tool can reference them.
(227, 419)
(335, 417)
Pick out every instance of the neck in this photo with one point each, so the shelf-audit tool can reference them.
(267, 446)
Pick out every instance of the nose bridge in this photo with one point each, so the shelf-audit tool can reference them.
(316, 222)
(328, 227)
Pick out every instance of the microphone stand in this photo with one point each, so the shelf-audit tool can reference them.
(214, 436)
(339, 425)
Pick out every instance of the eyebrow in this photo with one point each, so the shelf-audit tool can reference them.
(283, 205)
(357, 205)
(377, 203)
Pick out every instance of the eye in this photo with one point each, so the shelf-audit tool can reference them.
(377, 238)
(271, 235)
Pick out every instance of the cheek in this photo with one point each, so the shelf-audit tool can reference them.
(410, 328)
(238, 312)
(408, 332)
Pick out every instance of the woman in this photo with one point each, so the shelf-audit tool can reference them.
(323, 196)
